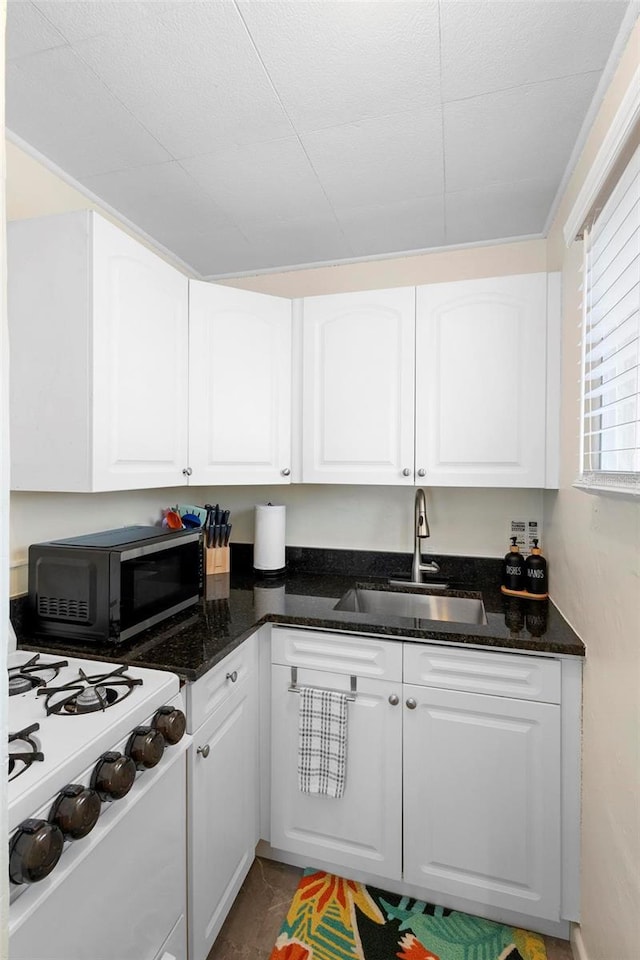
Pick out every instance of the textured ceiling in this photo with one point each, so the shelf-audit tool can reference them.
(257, 135)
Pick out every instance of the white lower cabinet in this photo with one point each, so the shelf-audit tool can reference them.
(482, 798)
(222, 784)
(454, 788)
(363, 829)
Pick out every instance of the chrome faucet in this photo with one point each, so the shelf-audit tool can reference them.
(421, 531)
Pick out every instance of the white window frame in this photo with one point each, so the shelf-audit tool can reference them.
(596, 480)
(616, 144)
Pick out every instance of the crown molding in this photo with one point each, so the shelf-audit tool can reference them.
(101, 205)
(622, 126)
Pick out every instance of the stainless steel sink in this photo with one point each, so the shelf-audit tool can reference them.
(414, 606)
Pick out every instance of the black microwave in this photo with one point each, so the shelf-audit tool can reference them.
(107, 587)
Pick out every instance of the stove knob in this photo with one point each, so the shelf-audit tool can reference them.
(171, 723)
(34, 850)
(76, 811)
(145, 747)
(113, 776)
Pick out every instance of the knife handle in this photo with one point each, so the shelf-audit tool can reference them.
(227, 534)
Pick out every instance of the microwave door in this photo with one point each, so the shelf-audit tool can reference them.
(156, 585)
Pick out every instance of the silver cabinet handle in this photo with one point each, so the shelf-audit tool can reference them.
(411, 703)
(232, 676)
(422, 472)
(394, 699)
(187, 471)
(204, 751)
(406, 472)
(285, 472)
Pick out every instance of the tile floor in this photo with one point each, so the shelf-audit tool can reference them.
(254, 920)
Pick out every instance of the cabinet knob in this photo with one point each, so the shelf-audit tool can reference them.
(422, 472)
(285, 472)
(411, 703)
(204, 751)
(406, 472)
(232, 676)
(394, 699)
(187, 471)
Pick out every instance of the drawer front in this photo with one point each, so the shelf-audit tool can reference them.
(337, 653)
(217, 686)
(473, 671)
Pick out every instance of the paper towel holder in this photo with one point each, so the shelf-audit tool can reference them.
(265, 572)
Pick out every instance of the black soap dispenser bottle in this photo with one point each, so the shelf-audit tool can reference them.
(536, 572)
(514, 571)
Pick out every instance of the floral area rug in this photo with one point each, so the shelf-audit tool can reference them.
(335, 919)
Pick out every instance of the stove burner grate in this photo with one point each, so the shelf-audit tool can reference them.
(22, 759)
(89, 694)
(27, 676)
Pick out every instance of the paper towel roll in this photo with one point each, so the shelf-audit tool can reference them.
(269, 538)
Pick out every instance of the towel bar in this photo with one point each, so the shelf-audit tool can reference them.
(351, 695)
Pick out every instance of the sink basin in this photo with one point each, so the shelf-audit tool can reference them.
(415, 606)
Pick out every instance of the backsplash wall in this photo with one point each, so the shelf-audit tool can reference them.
(469, 522)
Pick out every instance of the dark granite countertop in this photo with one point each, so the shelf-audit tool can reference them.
(192, 642)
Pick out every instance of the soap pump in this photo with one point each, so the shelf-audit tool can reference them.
(514, 577)
(536, 572)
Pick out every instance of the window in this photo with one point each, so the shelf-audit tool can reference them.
(611, 341)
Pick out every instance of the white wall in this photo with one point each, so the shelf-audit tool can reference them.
(472, 522)
(594, 541)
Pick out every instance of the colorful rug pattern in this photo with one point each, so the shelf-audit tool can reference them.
(335, 919)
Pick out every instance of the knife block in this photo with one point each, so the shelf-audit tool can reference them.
(217, 560)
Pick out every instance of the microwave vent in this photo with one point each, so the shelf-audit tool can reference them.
(61, 608)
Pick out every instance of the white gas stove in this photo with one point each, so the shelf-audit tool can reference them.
(96, 810)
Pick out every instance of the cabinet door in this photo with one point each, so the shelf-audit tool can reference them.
(240, 386)
(358, 396)
(363, 828)
(482, 799)
(481, 382)
(140, 369)
(222, 797)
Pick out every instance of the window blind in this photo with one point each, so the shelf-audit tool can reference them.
(611, 340)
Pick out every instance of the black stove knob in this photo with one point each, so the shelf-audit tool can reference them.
(76, 811)
(171, 723)
(145, 747)
(34, 850)
(113, 776)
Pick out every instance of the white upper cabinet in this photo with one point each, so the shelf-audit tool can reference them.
(357, 387)
(481, 383)
(239, 385)
(99, 340)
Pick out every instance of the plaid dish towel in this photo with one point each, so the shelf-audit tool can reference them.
(322, 744)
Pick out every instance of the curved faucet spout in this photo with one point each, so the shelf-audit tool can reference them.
(421, 530)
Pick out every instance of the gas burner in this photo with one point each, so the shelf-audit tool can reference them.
(33, 674)
(21, 760)
(89, 694)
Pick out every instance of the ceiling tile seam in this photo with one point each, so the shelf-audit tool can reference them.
(373, 257)
(57, 30)
(124, 106)
(520, 86)
(491, 184)
(101, 204)
(444, 164)
(230, 221)
(293, 126)
(93, 36)
(16, 61)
